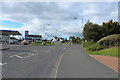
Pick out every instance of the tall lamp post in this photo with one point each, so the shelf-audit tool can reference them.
(44, 29)
(82, 23)
(81, 19)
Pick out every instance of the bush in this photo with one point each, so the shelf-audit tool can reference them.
(109, 41)
(87, 44)
(95, 47)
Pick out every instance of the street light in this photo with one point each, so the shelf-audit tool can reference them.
(81, 19)
(82, 22)
(44, 28)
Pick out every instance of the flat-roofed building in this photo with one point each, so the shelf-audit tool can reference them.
(5, 35)
(32, 38)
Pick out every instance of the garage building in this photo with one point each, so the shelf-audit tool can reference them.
(5, 36)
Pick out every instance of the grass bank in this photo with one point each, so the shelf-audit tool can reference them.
(95, 49)
(106, 52)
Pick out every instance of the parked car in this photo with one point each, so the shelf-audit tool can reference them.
(25, 42)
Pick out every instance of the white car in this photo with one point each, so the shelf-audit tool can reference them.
(25, 42)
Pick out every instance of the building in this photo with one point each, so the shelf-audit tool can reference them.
(57, 39)
(13, 40)
(5, 36)
(32, 38)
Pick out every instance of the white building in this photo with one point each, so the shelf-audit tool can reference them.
(57, 39)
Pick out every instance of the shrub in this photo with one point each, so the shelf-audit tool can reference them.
(109, 41)
(87, 44)
(95, 47)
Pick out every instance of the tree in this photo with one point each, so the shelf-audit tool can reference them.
(112, 27)
(74, 39)
(93, 32)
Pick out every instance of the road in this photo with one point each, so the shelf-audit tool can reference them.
(56, 61)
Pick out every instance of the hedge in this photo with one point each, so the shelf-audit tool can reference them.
(110, 41)
(95, 47)
(87, 44)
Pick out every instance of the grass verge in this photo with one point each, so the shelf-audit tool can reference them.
(114, 52)
(95, 49)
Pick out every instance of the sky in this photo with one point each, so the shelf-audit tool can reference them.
(35, 16)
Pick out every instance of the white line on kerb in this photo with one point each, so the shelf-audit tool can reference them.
(58, 65)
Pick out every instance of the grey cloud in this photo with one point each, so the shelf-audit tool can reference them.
(59, 15)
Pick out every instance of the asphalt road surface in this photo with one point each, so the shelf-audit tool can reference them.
(56, 61)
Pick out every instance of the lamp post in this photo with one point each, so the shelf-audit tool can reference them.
(44, 28)
(82, 23)
(81, 19)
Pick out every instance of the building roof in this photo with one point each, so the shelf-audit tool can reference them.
(34, 35)
(9, 32)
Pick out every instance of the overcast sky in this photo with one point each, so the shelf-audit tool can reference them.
(35, 16)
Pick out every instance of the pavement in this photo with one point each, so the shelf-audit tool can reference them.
(54, 61)
(112, 62)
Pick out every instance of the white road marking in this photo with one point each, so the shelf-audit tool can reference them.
(1, 64)
(12, 55)
(64, 48)
(28, 56)
(30, 53)
(19, 56)
(34, 50)
(47, 51)
(58, 65)
(16, 56)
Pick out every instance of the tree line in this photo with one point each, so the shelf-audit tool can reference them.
(94, 32)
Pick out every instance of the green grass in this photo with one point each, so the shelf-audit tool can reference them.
(47, 43)
(106, 52)
(95, 49)
(40, 43)
(64, 43)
